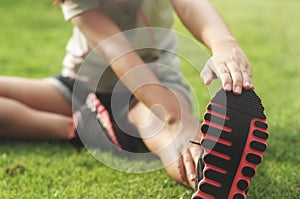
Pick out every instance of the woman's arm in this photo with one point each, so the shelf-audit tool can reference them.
(141, 81)
(229, 63)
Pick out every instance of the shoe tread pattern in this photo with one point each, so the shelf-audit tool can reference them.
(234, 138)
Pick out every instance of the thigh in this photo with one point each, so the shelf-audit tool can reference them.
(37, 94)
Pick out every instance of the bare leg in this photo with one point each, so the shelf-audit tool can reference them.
(37, 94)
(157, 136)
(33, 109)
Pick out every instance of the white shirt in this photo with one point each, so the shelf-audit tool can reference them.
(127, 14)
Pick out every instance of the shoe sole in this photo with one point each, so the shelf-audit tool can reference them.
(234, 139)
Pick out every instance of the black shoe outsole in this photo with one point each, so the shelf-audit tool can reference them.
(234, 139)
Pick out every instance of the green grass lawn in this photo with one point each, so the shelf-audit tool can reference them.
(32, 41)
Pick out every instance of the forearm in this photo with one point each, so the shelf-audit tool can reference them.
(146, 87)
(228, 62)
(206, 25)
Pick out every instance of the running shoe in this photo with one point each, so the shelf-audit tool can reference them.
(234, 139)
(91, 123)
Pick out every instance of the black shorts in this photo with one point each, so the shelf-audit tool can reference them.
(129, 138)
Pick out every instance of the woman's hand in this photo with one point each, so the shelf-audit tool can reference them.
(190, 160)
(230, 65)
(228, 62)
(180, 148)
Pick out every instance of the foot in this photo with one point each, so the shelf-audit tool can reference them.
(92, 120)
(234, 139)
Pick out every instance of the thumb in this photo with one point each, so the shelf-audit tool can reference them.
(207, 75)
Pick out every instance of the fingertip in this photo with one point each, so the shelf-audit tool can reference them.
(192, 177)
(247, 85)
(237, 90)
(227, 87)
(206, 79)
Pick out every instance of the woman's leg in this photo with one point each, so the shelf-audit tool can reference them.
(34, 93)
(156, 136)
(33, 109)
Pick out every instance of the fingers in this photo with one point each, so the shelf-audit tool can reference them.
(241, 77)
(195, 151)
(224, 76)
(207, 74)
(236, 77)
(247, 77)
(189, 165)
(233, 75)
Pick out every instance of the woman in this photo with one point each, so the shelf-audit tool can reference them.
(100, 44)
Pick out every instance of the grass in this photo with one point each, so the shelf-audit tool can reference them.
(33, 37)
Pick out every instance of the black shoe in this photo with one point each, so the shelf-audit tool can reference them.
(234, 139)
(93, 126)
